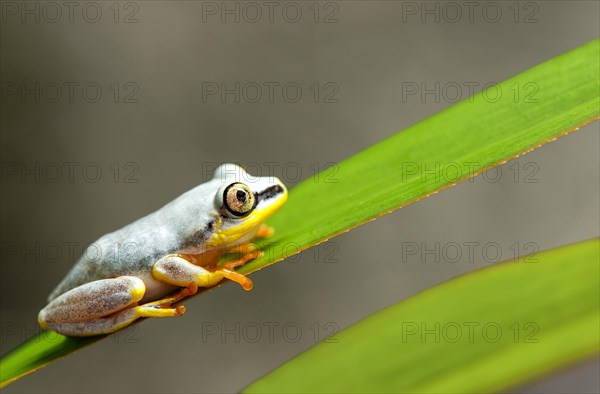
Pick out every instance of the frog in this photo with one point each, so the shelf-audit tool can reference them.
(172, 252)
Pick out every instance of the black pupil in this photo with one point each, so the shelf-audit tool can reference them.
(241, 196)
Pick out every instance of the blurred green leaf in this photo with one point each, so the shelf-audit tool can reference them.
(481, 332)
(513, 117)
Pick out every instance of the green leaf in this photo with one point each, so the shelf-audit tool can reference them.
(36, 352)
(532, 108)
(481, 332)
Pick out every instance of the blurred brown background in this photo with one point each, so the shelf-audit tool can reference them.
(111, 109)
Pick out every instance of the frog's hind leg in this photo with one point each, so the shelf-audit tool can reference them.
(105, 306)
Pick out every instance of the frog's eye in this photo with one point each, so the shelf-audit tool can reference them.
(238, 200)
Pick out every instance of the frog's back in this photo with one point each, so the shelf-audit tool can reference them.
(128, 251)
(133, 249)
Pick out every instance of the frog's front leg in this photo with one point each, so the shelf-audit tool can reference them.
(105, 306)
(182, 270)
(263, 231)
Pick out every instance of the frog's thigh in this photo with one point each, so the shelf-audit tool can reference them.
(92, 300)
(104, 306)
(113, 322)
(97, 326)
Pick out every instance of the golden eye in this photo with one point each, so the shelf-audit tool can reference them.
(238, 199)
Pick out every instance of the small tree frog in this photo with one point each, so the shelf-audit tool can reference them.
(177, 246)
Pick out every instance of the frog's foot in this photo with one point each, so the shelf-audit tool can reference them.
(242, 260)
(228, 269)
(265, 231)
(151, 308)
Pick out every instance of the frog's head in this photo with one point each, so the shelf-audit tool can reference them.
(244, 202)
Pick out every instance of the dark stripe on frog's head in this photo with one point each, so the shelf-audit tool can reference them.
(269, 192)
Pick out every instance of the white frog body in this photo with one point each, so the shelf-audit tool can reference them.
(178, 245)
